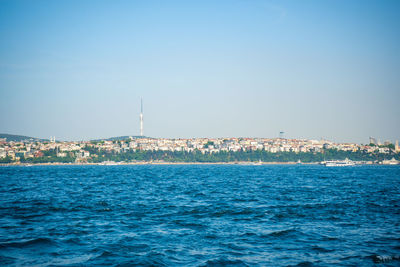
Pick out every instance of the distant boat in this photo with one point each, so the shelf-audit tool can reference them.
(392, 161)
(250, 163)
(111, 163)
(339, 163)
(299, 162)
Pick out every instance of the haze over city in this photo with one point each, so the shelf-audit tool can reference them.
(313, 69)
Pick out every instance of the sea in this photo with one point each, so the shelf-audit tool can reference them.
(200, 215)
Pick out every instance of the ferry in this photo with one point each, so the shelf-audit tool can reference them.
(339, 163)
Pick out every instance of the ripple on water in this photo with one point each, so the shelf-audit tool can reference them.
(209, 215)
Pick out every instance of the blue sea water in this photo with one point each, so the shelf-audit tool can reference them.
(200, 215)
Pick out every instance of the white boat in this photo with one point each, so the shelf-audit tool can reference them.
(392, 161)
(339, 163)
(111, 163)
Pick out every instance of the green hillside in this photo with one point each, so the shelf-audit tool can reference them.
(19, 138)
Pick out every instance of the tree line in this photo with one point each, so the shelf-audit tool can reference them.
(97, 156)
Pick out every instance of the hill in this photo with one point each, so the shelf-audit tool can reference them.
(19, 138)
(116, 138)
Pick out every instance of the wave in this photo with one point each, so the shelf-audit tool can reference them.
(321, 249)
(283, 233)
(26, 243)
(224, 262)
(5, 260)
(274, 234)
(105, 254)
(303, 264)
(187, 224)
(246, 213)
(385, 258)
(151, 259)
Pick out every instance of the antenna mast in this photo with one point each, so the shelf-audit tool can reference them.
(141, 117)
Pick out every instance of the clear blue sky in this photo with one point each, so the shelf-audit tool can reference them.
(77, 69)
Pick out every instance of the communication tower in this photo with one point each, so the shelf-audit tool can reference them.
(141, 117)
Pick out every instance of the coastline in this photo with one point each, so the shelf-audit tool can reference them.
(242, 163)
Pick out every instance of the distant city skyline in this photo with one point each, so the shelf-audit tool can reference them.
(313, 69)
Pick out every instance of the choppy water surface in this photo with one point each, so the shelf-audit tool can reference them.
(200, 215)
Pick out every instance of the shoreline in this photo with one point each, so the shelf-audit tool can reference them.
(241, 163)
